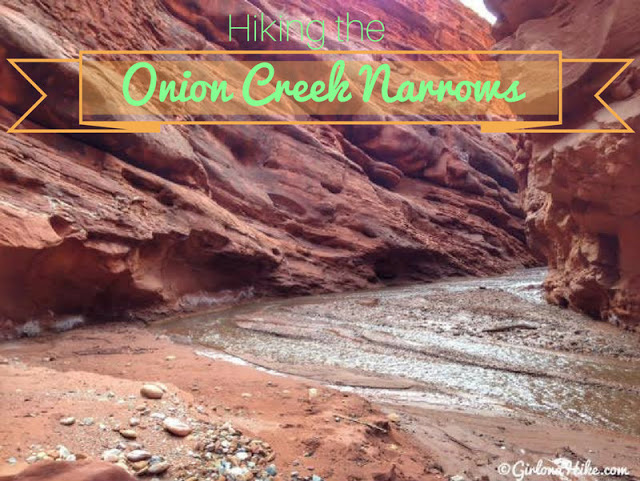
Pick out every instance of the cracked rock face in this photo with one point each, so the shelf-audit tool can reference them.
(582, 191)
(105, 226)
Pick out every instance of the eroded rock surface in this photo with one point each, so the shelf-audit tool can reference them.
(100, 226)
(71, 471)
(583, 190)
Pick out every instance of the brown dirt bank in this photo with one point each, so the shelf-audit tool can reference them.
(97, 373)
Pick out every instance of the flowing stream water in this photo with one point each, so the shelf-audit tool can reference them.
(490, 344)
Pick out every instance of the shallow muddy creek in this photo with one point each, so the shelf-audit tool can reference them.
(474, 345)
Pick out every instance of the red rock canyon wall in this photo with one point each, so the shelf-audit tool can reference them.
(582, 191)
(103, 226)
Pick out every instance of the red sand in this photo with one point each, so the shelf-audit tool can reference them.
(70, 374)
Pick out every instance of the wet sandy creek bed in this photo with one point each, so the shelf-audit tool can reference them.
(486, 348)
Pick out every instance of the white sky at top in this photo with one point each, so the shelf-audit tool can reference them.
(478, 6)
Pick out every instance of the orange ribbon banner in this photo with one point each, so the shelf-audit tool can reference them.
(501, 91)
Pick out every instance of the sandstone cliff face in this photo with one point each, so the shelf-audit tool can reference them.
(98, 226)
(583, 190)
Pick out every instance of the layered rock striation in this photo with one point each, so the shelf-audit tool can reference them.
(103, 226)
(582, 191)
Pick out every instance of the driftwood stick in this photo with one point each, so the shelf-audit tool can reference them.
(510, 327)
(458, 442)
(364, 423)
